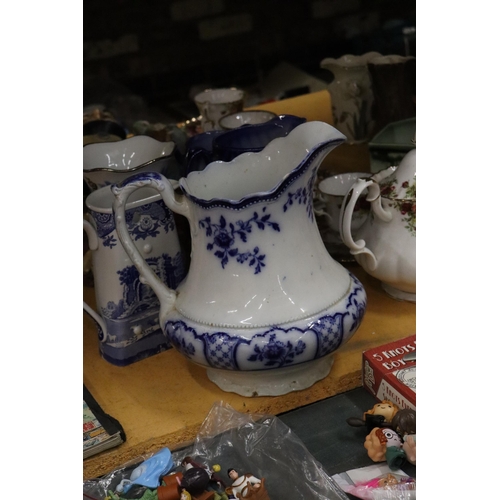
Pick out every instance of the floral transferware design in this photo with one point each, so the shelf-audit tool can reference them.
(303, 196)
(406, 205)
(275, 346)
(138, 297)
(277, 353)
(142, 222)
(225, 236)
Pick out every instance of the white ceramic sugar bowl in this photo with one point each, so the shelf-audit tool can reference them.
(387, 242)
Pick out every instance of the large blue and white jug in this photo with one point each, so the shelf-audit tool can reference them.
(263, 305)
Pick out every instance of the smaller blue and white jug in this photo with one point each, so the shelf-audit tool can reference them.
(127, 317)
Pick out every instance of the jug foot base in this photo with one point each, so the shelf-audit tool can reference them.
(399, 294)
(272, 382)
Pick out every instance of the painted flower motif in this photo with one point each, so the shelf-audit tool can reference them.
(223, 239)
(277, 353)
(406, 205)
(146, 227)
(274, 351)
(137, 296)
(109, 241)
(302, 196)
(111, 307)
(224, 236)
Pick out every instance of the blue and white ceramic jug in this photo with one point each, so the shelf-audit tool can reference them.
(263, 305)
(127, 310)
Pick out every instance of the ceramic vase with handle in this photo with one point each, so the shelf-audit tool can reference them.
(127, 310)
(264, 305)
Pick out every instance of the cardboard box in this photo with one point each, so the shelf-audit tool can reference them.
(387, 376)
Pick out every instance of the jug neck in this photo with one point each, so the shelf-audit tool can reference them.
(264, 175)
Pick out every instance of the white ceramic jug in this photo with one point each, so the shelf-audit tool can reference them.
(387, 242)
(263, 305)
(351, 94)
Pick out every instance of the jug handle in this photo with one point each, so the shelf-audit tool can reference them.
(156, 181)
(376, 203)
(346, 212)
(93, 244)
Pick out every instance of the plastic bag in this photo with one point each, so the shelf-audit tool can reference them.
(377, 482)
(251, 443)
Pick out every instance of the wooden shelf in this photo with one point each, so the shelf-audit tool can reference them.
(162, 400)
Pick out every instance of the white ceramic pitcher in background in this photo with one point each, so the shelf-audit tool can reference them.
(213, 104)
(264, 305)
(351, 94)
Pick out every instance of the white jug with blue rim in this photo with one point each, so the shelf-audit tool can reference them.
(264, 305)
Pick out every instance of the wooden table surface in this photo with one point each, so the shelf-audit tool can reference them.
(161, 401)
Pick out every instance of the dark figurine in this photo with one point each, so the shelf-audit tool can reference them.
(405, 424)
(380, 415)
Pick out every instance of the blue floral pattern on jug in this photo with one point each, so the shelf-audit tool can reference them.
(304, 196)
(142, 222)
(277, 353)
(272, 348)
(224, 238)
(138, 297)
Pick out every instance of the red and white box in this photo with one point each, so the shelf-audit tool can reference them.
(387, 375)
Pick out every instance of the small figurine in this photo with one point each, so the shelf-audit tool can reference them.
(148, 473)
(216, 482)
(380, 415)
(195, 480)
(410, 448)
(246, 486)
(405, 424)
(385, 444)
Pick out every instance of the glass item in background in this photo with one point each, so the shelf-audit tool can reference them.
(391, 144)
